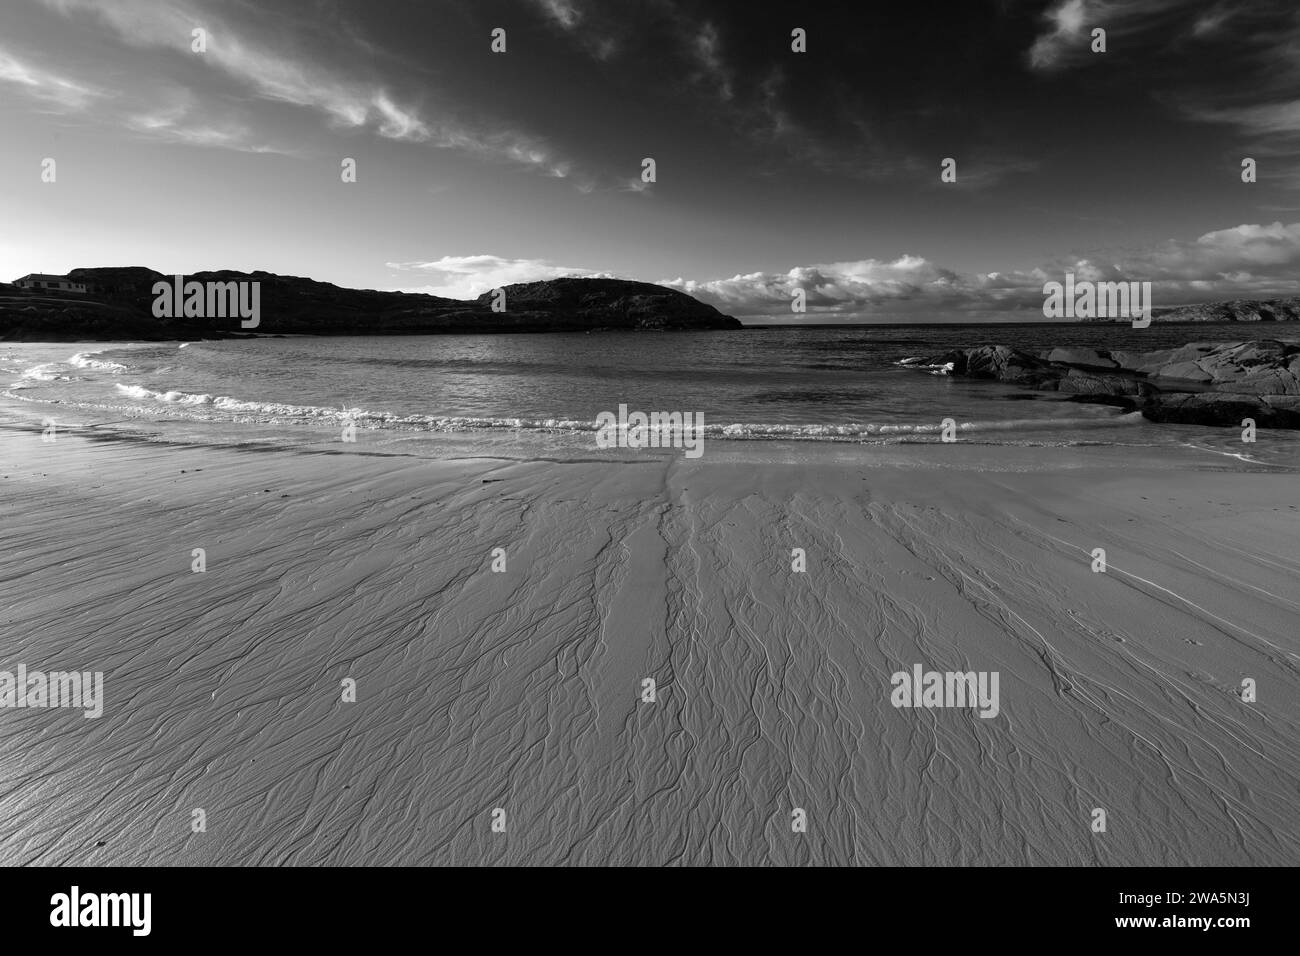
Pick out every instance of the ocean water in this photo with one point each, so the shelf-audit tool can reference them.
(759, 384)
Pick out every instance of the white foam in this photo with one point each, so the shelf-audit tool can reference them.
(83, 360)
(919, 363)
(267, 412)
(46, 373)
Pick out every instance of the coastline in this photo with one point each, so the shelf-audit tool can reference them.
(520, 690)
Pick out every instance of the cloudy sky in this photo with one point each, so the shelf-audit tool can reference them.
(775, 169)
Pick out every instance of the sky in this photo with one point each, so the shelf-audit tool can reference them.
(775, 169)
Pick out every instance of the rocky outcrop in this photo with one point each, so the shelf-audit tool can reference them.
(1201, 383)
(1238, 310)
(120, 306)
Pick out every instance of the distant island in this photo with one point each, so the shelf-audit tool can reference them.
(117, 303)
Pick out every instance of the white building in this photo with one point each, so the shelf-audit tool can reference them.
(39, 281)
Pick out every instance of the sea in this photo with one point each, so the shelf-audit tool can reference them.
(528, 394)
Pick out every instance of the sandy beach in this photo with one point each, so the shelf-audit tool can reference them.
(522, 690)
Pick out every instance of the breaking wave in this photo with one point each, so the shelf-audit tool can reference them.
(253, 412)
(84, 360)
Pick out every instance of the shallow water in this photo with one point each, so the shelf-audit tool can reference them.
(810, 384)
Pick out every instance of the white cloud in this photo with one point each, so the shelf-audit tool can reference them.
(1210, 23)
(1066, 23)
(1247, 261)
(593, 28)
(52, 89)
(1069, 24)
(274, 73)
(167, 122)
(706, 47)
(1263, 251)
(1258, 119)
(173, 121)
(563, 12)
(904, 284)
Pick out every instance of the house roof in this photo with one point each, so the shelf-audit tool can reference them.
(42, 277)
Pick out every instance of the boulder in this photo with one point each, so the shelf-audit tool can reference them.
(1084, 358)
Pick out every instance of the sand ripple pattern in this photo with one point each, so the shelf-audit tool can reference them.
(520, 690)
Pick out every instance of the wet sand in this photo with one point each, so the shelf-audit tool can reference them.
(521, 689)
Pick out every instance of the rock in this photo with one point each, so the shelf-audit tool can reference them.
(997, 362)
(1200, 383)
(1217, 408)
(1084, 382)
(1082, 357)
(1185, 371)
(1283, 404)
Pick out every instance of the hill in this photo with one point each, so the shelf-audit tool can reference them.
(121, 306)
